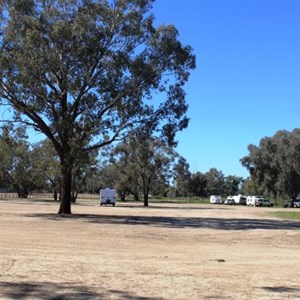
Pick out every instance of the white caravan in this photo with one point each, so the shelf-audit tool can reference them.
(239, 199)
(252, 200)
(108, 196)
(215, 199)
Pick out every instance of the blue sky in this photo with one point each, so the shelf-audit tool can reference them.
(247, 82)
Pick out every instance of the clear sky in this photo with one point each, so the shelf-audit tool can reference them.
(247, 82)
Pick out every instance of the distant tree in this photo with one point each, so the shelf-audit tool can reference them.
(215, 182)
(6, 158)
(252, 187)
(144, 161)
(17, 162)
(47, 165)
(275, 163)
(108, 173)
(160, 187)
(83, 173)
(182, 177)
(232, 184)
(93, 179)
(198, 184)
(83, 73)
(114, 174)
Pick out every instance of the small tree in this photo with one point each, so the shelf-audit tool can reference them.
(215, 182)
(17, 162)
(232, 184)
(143, 161)
(198, 184)
(252, 187)
(48, 167)
(182, 177)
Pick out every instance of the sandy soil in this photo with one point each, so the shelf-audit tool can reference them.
(165, 251)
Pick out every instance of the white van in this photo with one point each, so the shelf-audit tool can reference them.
(215, 199)
(108, 196)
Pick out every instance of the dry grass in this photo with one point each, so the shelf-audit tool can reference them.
(165, 251)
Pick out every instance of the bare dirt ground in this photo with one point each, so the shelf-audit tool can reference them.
(165, 251)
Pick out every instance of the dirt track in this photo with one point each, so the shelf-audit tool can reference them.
(165, 251)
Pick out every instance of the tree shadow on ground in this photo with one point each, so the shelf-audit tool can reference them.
(283, 289)
(58, 291)
(126, 296)
(28, 201)
(127, 204)
(185, 206)
(177, 222)
(140, 205)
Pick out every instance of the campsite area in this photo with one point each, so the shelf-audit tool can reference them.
(164, 251)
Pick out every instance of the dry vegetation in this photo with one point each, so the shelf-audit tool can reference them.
(165, 251)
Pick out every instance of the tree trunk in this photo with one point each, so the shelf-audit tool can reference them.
(146, 190)
(122, 196)
(293, 200)
(74, 196)
(55, 195)
(146, 198)
(65, 204)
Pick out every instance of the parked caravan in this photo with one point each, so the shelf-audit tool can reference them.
(108, 196)
(215, 199)
(239, 199)
(250, 200)
(229, 201)
(254, 200)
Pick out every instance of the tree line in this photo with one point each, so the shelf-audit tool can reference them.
(139, 166)
(143, 165)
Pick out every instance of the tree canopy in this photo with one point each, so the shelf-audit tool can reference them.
(275, 163)
(84, 73)
(17, 162)
(142, 161)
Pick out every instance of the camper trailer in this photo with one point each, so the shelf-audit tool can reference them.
(239, 199)
(216, 199)
(108, 196)
(250, 200)
(254, 200)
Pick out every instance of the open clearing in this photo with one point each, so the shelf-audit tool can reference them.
(165, 251)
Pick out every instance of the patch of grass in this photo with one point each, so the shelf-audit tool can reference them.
(178, 200)
(200, 200)
(155, 199)
(291, 215)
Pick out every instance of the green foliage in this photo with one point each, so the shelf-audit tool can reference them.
(142, 162)
(83, 73)
(291, 215)
(198, 184)
(47, 166)
(203, 185)
(182, 177)
(17, 162)
(252, 187)
(215, 182)
(232, 185)
(275, 163)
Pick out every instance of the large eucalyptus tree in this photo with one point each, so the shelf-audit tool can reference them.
(85, 72)
(275, 163)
